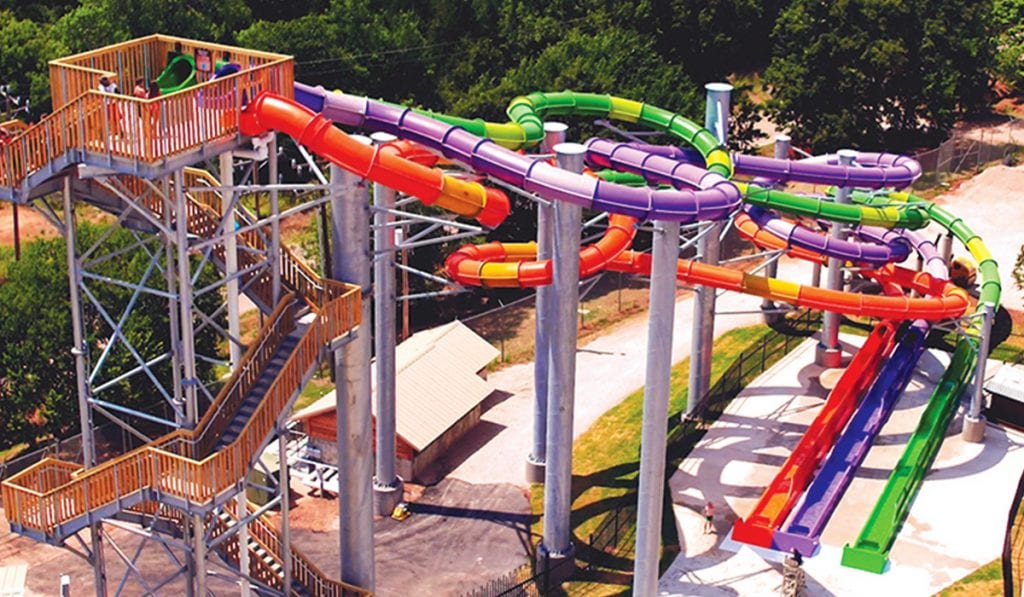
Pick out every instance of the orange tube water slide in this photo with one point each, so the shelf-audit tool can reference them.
(944, 300)
(749, 230)
(382, 164)
(513, 265)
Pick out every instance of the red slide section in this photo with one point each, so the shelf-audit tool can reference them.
(392, 165)
(791, 480)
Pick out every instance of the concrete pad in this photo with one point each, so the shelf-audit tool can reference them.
(955, 525)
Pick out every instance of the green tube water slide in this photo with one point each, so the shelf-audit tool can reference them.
(910, 216)
(528, 111)
(870, 551)
(179, 74)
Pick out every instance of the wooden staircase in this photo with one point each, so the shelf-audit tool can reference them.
(266, 563)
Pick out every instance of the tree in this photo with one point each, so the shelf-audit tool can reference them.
(27, 47)
(1008, 25)
(876, 74)
(38, 392)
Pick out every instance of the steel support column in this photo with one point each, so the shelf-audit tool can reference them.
(654, 434)
(275, 222)
(190, 383)
(557, 544)
(80, 352)
(227, 171)
(828, 353)
(242, 512)
(286, 501)
(177, 393)
(716, 119)
(554, 133)
(768, 306)
(351, 263)
(387, 487)
(974, 422)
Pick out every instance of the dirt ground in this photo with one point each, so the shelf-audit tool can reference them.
(31, 225)
(465, 535)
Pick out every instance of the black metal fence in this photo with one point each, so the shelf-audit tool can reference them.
(1013, 545)
(529, 580)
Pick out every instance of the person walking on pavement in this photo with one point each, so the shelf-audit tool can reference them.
(709, 517)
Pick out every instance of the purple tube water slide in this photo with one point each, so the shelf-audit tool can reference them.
(714, 197)
(870, 170)
(892, 249)
(664, 165)
(807, 522)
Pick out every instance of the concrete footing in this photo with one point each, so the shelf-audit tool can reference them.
(386, 496)
(560, 566)
(974, 429)
(829, 358)
(534, 470)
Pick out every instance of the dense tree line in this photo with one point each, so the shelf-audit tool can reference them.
(839, 73)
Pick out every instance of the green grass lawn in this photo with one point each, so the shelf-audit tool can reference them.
(987, 580)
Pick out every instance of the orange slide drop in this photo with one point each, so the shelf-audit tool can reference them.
(512, 265)
(944, 301)
(383, 164)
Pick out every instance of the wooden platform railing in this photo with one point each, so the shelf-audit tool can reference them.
(304, 571)
(134, 130)
(144, 58)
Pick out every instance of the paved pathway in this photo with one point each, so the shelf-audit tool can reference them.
(608, 369)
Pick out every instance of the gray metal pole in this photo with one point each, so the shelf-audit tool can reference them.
(557, 544)
(554, 133)
(716, 119)
(828, 352)
(782, 144)
(275, 223)
(351, 263)
(654, 438)
(286, 499)
(227, 171)
(242, 510)
(177, 397)
(947, 249)
(188, 348)
(387, 487)
(80, 351)
(974, 422)
(190, 383)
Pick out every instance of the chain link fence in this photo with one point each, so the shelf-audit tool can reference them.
(969, 149)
